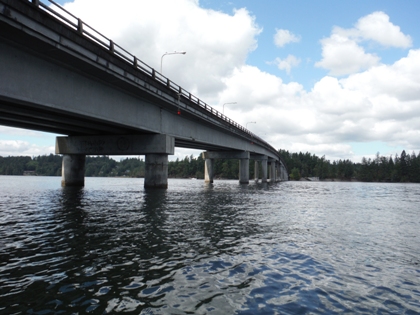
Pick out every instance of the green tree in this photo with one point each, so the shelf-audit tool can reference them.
(295, 175)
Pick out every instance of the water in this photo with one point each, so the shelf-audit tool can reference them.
(286, 248)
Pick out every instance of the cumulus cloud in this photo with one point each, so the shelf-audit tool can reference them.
(24, 148)
(342, 53)
(252, 89)
(377, 27)
(381, 104)
(216, 43)
(288, 63)
(342, 56)
(283, 37)
(13, 145)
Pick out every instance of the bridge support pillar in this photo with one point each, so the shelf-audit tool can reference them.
(73, 170)
(272, 171)
(244, 171)
(256, 171)
(208, 170)
(156, 148)
(264, 171)
(156, 172)
(243, 157)
(257, 158)
(285, 174)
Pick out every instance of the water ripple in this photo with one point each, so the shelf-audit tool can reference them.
(288, 248)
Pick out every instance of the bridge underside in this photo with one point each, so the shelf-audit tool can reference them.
(33, 117)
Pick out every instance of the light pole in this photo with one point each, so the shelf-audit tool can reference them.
(225, 104)
(251, 122)
(170, 53)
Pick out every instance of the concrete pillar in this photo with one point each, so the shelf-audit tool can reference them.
(156, 173)
(281, 172)
(264, 171)
(209, 157)
(155, 147)
(272, 172)
(208, 170)
(256, 171)
(244, 171)
(73, 170)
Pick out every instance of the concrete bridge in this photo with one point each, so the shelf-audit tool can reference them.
(57, 74)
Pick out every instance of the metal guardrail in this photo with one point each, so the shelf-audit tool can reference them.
(89, 32)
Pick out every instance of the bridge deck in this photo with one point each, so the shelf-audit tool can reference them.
(64, 77)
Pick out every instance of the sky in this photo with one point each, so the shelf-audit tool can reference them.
(333, 78)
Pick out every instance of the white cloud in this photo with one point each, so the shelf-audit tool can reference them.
(23, 148)
(342, 53)
(283, 37)
(399, 81)
(13, 146)
(252, 88)
(342, 56)
(377, 27)
(288, 63)
(216, 43)
(381, 104)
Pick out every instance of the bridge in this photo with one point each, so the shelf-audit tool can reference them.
(59, 75)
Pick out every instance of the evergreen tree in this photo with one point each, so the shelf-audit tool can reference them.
(404, 167)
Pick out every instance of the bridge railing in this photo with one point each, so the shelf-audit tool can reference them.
(86, 30)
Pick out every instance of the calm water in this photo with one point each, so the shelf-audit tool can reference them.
(286, 248)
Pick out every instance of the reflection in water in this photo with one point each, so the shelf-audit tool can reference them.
(209, 249)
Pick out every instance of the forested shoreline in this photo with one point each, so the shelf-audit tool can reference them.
(400, 168)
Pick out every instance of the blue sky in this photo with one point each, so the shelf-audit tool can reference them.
(335, 78)
(313, 20)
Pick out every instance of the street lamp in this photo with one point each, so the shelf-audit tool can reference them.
(170, 53)
(225, 104)
(251, 122)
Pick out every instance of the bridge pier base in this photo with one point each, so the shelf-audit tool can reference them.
(257, 158)
(156, 148)
(156, 172)
(272, 171)
(244, 171)
(264, 171)
(242, 156)
(208, 170)
(256, 171)
(73, 170)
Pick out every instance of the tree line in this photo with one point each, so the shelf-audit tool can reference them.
(400, 168)
(104, 166)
